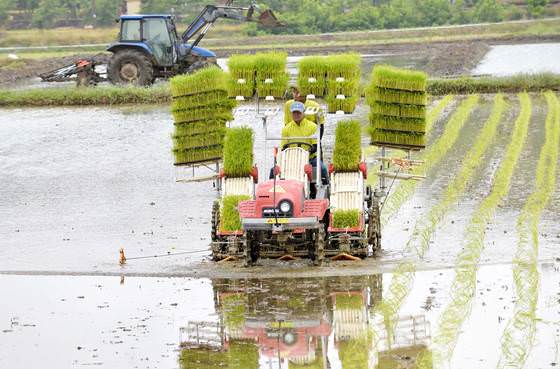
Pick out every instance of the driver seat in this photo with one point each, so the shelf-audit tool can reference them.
(292, 165)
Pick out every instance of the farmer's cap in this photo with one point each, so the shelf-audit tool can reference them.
(297, 106)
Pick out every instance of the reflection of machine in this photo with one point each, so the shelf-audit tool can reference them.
(283, 323)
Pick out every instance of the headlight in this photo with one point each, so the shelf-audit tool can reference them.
(285, 207)
(290, 339)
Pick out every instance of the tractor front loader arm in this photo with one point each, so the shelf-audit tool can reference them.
(211, 13)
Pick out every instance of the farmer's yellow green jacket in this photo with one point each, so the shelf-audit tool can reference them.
(308, 104)
(306, 128)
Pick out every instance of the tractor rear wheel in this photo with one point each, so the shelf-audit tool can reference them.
(130, 67)
(374, 227)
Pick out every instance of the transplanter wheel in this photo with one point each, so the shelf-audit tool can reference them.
(217, 252)
(250, 250)
(319, 242)
(374, 227)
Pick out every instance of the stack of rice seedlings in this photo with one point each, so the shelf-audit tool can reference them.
(346, 218)
(200, 109)
(233, 310)
(397, 98)
(238, 162)
(343, 82)
(272, 77)
(203, 358)
(312, 77)
(243, 354)
(238, 152)
(230, 220)
(241, 80)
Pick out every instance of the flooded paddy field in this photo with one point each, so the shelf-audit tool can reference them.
(79, 184)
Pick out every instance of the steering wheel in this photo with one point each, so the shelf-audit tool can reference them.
(291, 144)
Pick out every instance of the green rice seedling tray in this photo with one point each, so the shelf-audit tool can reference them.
(314, 67)
(348, 302)
(347, 152)
(238, 152)
(198, 100)
(198, 155)
(199, 114)
(198, 127)
(388, 95)
(398, 110)
(205, 80)
(399, 79)
(230, 221)
(235, 89)
(348, 87)
(401, 139)
(181, 143)
(345, 66)
(347, 105)
(270, 65)
(277, 88)
(387, 122)
(346, 219)
(242, 67)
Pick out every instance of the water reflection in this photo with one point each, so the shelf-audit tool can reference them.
(302, 323)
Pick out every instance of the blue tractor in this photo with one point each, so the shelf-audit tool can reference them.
(149, 47)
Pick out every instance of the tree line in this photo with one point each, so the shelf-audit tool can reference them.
(302, 16)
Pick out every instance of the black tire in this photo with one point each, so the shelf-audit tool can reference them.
(130, 67)
(216, 247)
(250, 249)
(374, 227)
(319, 251)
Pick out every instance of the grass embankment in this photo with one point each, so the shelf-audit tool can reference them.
(114, 95)
(519, 334)
(513, 84)
(463, 287)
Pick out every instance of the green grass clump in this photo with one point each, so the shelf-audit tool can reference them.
(198, 100)
(347, 152)
(312, 67)
(397, 99)
(243, 355)
(346, 218)
(397, 124)
(230, 221)
(205, 80)
(348, 302)
(347, 105)
(399, 79)
(271, 65)
(196, 128)
(512, 84)
(238, 152)
(346, 66)
(110, 95)
(198, 154)
(202, 358)
(242, 67)
(381, 136)
(374, 93)
(221, 110)
(214, 138)
(399, 110)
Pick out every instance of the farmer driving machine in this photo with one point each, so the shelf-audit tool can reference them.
(149, 47)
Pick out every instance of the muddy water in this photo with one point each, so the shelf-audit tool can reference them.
(330, 322)
(506, 60)
(78, 184)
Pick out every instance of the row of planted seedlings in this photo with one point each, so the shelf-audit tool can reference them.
(334, 77)
(200, 109)
(262, 73)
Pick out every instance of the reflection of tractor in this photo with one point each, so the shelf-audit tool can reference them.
(290, 215)
(272, 322)
(149, 47)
